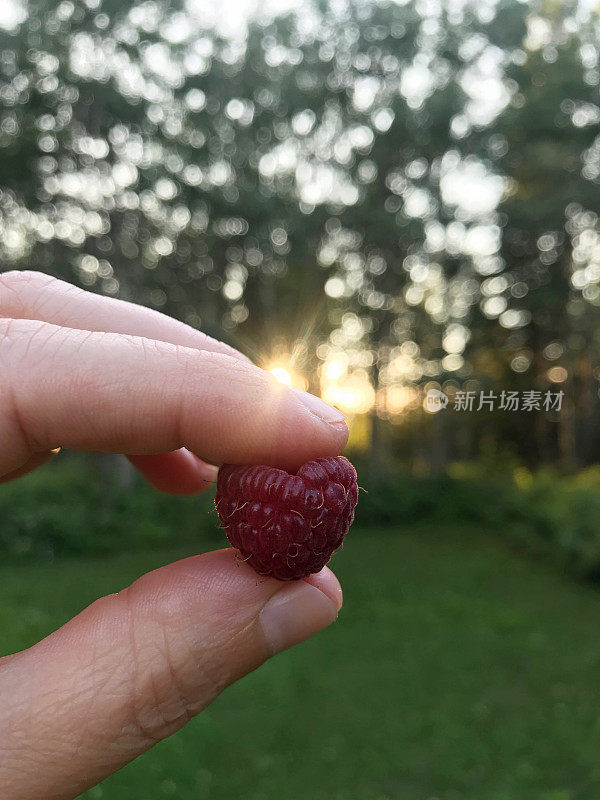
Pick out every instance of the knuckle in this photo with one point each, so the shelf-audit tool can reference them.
(158, 698)
(17, 337)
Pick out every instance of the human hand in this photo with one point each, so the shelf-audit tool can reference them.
(92, 373)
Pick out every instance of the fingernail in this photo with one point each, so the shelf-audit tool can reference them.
(326, 581)
(320, 408)
(208, 472)
(293, 614)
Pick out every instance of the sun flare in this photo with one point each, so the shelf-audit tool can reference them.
(282, 375)
(286, 374)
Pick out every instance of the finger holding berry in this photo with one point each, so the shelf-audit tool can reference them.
(90, 373)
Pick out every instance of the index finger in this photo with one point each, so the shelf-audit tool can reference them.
(27, 294)
(125, 394)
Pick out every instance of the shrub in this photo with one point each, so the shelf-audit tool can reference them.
(73, 506)
(541, 513)
(68, 507)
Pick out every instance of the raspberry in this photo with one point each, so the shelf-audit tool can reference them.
(286, 525)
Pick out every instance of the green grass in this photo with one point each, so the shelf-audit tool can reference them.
(457, 670)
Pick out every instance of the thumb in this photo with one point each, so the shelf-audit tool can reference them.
(135, 666)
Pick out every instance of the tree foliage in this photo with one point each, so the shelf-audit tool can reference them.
(403, 195)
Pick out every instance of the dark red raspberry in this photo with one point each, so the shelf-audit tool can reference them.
(287, 525)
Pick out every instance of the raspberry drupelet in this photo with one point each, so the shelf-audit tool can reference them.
(286, 526)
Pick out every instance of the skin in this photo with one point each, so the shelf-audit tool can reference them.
(91, 373)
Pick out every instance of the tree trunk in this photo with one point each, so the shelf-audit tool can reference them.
(566, 436)
(380, 455)
(439, 444)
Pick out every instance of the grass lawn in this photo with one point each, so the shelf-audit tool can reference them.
(456, 670)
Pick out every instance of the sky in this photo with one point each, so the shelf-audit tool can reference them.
(11, 14)
(228, 16)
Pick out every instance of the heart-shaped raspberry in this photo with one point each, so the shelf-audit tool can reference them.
(287, 525)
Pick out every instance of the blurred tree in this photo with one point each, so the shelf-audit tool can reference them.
(397, 196)
(549, 134)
